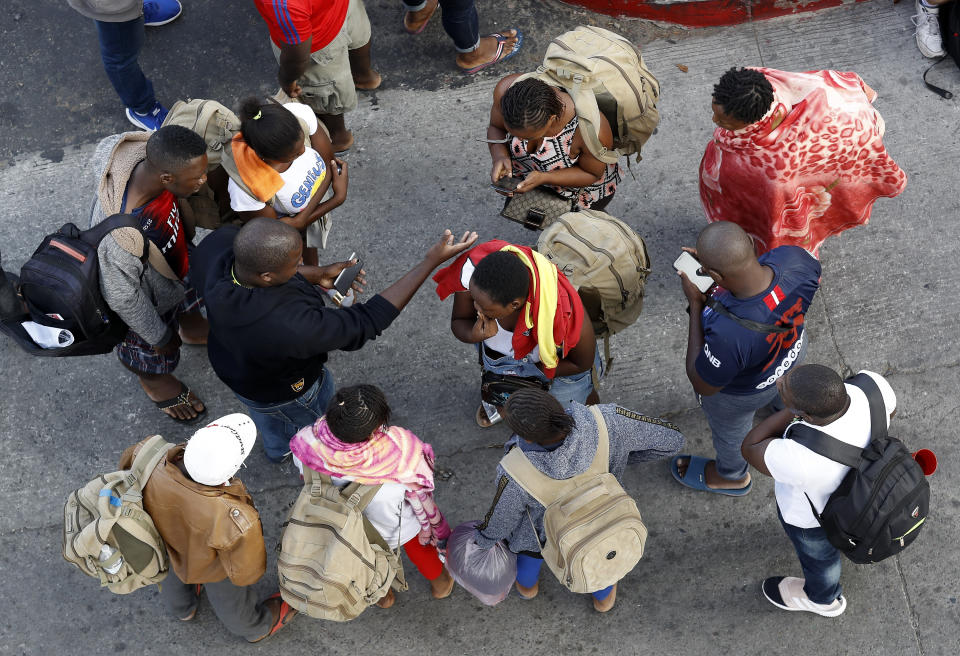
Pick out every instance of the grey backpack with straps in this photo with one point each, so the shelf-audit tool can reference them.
(333, 563)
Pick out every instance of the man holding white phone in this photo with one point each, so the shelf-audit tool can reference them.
(270, 329)
(744, 335)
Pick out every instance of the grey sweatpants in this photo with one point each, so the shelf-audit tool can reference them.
(236, 606)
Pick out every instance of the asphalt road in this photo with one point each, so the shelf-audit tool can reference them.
(887, 304)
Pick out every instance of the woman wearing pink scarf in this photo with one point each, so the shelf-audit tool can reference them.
(353, 442)
(796, 157)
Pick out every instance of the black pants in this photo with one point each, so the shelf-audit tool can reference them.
(236, 606)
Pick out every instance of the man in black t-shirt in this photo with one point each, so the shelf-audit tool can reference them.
(270, 330)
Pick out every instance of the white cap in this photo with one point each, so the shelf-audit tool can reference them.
(216, 451)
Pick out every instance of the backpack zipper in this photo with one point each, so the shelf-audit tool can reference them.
(874, 492)
(340, 539)
(344, 590)
(343, 611)
(641, 102)
(912, 529)
(580, 545)
(597, 513)
(616, 274)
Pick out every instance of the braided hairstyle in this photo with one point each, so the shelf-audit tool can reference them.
(529, 104)
(745, 94)
(270, 129)
(502, 276)
(354, 413)
(537, 417)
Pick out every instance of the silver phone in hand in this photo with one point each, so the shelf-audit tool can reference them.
(690, 265)
(345, 279)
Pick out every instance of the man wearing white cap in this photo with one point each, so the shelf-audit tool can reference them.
(212, 530)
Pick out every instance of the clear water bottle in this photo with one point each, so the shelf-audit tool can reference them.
(105, 552)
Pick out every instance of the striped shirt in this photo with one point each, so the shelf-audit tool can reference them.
(294, 21)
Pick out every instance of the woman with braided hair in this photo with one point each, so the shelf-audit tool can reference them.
(534, 133)
(561, 443)
(796, 157)
(354, 441)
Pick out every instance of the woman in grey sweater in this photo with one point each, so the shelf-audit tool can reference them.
(561, 444)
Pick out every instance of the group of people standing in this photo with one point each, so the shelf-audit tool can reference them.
(795, 158)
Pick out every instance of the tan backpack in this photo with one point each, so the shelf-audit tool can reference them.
(605, 74)
(106, 532)
(319, 230)
(606, 261)
(210, 119)
(333, 563)
(595, 535)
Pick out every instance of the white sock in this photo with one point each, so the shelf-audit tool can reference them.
(924, 3)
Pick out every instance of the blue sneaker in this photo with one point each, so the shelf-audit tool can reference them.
(150, 121)
(160, 12)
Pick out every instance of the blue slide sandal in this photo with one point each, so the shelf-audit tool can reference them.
(695, 479)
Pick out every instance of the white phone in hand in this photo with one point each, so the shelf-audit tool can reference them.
(690, 265)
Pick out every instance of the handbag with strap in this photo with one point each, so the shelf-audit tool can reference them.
(537, 208)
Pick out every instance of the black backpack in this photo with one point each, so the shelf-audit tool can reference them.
(882, 502)
(60, 287)
(950, 33)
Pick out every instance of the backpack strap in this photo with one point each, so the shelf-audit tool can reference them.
(96, 234)
(128, 233)
(146, 460)
(940, 91)
(825, 445)
(749, 324)
(838, 450)
(878, 408)
(546, 489)
(354, 494)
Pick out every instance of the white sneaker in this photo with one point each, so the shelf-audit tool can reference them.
(928, 30)
(786, 592)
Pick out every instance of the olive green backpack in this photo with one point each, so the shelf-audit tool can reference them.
(604, 73)
(333, 563)
(106, 532)
(606, 261)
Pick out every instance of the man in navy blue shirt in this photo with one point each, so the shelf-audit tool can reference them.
(741, 339)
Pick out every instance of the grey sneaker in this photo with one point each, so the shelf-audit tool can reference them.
(786, 592)
(927, 23)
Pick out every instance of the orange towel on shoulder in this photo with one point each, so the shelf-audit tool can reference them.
(259, 176)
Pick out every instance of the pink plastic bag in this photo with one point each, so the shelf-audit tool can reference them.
(487, 574)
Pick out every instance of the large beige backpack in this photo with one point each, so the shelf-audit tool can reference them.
(106, 528)
(594, 532)
(605, 74)
(606, 261)
(333, 563)
(319, 230)
(210, 119)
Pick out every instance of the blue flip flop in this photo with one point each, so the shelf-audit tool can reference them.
(499, 56)
(695, 479)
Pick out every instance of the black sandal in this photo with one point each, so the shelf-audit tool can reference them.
(183, 398)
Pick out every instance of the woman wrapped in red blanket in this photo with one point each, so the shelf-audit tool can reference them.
(796, 157)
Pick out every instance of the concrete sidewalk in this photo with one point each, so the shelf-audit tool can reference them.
(887, 303)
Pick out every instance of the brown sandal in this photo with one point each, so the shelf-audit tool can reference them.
(483, 420)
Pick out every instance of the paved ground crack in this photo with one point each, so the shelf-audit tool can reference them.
(847, 371)
(914, 619)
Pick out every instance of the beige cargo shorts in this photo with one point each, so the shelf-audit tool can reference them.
(327, 83)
